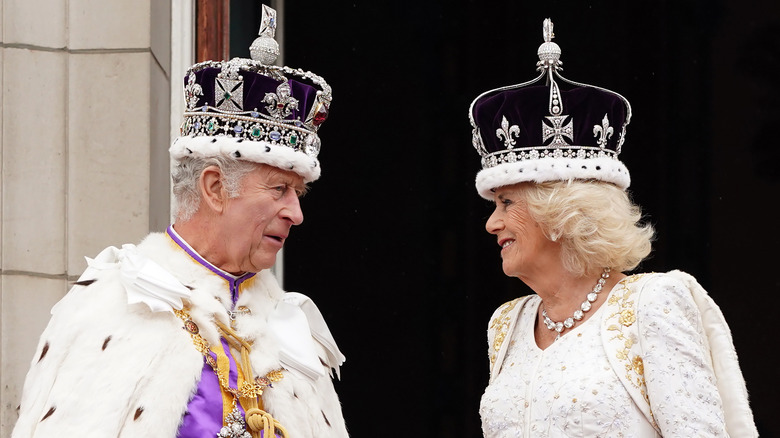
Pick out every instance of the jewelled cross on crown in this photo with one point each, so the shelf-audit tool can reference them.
(557, 130)
(229, 94)
(550, 60)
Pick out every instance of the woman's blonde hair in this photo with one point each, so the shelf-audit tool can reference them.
(596, 223)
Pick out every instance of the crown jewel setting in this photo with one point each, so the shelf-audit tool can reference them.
(561, 128)
(252, 99)
(557, 126)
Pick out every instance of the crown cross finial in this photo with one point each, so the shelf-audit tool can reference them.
(268, 22)
(549, 53)
(603, 132)
(281, 104)
(557, 130)
(547, 30)
(264, 48)
(506, 133)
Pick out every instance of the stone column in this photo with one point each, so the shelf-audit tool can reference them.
(85, 131)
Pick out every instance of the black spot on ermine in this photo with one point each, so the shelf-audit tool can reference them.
(44, 351)
(48, 414)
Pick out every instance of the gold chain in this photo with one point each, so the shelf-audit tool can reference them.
(248, 389)
(260, 422)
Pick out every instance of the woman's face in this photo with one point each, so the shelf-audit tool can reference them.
(525, 250)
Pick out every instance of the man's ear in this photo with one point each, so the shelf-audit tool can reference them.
(212, 191)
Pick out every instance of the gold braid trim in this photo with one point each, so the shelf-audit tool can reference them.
(256, 418)
(260, 420)
(251, 390)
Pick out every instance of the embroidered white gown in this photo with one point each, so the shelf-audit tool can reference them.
(571, 390)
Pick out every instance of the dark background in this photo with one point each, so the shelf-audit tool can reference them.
(393, 248)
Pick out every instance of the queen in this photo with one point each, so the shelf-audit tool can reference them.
(596, 350)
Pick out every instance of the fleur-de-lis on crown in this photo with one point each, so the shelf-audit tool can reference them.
(281, 104)
(603, 132)
(192, 91)
(507, 132)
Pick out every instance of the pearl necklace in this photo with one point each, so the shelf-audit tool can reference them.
(579, 313)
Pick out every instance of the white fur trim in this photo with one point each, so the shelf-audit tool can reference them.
(552, 169)
(116, 369)
(263, 152)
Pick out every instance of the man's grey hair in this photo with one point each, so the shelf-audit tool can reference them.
(185, 176)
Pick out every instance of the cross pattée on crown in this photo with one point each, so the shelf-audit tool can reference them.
(557, 130)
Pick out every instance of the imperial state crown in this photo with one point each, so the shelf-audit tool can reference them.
(254, 110)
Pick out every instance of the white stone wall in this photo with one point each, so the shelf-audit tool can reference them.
(85, 130)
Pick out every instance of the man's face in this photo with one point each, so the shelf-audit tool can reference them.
(255, 224)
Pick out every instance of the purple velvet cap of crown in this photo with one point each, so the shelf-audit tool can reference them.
(540, 133)
(254, 112)
(521, 141)
(255, 88)
(527, 108)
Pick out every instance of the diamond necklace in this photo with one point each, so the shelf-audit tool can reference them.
(579, 313)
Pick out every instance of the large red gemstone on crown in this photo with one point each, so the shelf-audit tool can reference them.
(321, 115)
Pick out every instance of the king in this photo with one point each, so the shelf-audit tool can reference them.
(188, 334)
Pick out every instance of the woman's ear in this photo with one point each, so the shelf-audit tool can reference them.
(212, 190)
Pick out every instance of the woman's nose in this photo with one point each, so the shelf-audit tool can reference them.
(494, 224)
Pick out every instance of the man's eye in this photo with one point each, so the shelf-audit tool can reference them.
(301, 191)
(280, 189)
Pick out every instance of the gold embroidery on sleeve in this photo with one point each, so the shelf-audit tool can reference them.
(619, 323)
(500, 324)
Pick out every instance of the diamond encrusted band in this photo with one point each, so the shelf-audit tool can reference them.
(251, 127)
(534, 153)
